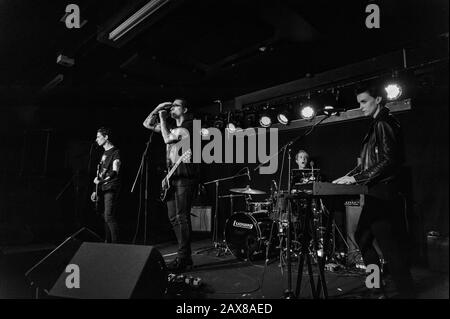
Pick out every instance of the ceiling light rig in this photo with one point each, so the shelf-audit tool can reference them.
(327, 101)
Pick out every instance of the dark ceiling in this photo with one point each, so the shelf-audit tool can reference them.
(201, 49)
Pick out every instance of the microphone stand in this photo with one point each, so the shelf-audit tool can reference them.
(140, 172)
(215, 239)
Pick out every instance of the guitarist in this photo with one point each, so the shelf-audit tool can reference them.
(107, 183)
(184, 179)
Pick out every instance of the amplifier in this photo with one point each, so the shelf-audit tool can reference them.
(201, 218)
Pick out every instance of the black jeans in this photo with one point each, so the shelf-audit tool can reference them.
(110, 216)
(179, 204)
(384, 221)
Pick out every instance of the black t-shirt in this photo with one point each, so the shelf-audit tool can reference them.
(106, 169)
(188, 169)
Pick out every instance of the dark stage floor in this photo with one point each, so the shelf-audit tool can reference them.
(224, 277)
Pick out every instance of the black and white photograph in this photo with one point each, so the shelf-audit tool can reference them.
(224, 157)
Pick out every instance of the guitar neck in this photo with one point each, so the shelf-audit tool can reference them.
(172, 170)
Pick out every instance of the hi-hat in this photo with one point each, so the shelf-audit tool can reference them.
(247, 190)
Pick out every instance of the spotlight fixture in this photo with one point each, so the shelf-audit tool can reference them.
(283, 118)
(204, 131)
(219, 122)
(265, 120)
(231, 127)
(249, 119)
(393, 91)
(307, 112)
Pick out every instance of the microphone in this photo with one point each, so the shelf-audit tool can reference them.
(274, 184)
(248, 174)
(312, 170)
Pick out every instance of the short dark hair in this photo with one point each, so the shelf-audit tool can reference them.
(106, 131)
(373, 89)
(184, 102)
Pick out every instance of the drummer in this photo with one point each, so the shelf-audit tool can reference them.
(302, 159)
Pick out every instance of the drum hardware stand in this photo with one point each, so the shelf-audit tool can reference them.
(219, 245)
(311, 219)
(288, 294)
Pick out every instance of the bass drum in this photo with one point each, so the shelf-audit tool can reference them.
(247, 234)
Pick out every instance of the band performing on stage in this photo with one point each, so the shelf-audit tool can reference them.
(292, 224)
(214, 150)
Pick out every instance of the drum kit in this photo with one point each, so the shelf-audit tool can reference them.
(286, 223)
(261, 229)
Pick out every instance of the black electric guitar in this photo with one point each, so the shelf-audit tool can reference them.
(165, 184)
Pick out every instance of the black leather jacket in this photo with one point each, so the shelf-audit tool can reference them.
(382, 151)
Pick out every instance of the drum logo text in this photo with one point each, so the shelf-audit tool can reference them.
(242, 225)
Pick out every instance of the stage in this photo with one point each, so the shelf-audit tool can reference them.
(226, 277)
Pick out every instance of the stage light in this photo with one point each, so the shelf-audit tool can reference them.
(393, 91)
(265, 121)
(231, 127)
(249, 120)
(204, 131)
(283, 118)
(331, 110)
(220, 120)
(307, 112)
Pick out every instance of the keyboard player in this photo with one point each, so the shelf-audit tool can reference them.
(381, 216)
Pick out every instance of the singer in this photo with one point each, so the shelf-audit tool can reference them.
(382, 216)
(183, 183)
(108, 183)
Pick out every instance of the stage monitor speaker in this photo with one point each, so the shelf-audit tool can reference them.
(44, 274)
(113, 271)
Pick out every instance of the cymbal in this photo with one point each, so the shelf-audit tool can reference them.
(247, 190)
(230, 196)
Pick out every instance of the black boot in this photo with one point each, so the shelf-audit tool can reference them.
(179, 265)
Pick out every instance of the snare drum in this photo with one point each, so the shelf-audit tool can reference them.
(248, 234)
